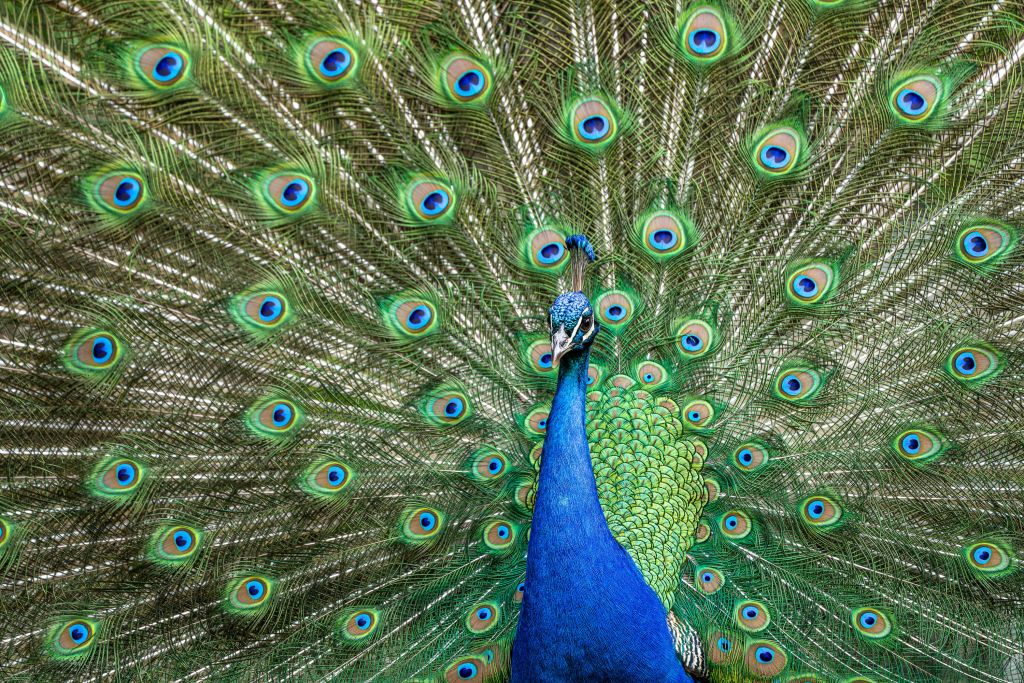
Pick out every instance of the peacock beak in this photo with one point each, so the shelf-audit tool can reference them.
(561, 342)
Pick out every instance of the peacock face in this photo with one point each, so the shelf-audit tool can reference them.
(571, 324)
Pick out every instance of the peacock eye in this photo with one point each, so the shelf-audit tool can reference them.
(588, 322)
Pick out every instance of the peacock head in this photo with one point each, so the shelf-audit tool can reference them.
(571, 323)
(571, 318)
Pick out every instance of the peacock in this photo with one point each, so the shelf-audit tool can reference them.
(512, 340)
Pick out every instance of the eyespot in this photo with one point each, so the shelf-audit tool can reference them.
(73, 639)
(545, 250)
(777, 151)
(694, 338)
(988, 558)
(447, 406)
(519, 593)
(412, 316)
(708, 580)
(752, 616)
(712, 489)
(594, 375)
(615, 309)
(723, 648)
(592, 124)
(764, 659)
(483, 617)
(357, 624)
(274, 418)
(247, 594)
(750, 456)
(421, 524)
(430, 200)
(466, 670)
(663, 234)
(488, 465)
(537, 421)
(289, 193)
(120, 192)
(871, 622)
(698, 414)
(332, 61)
(797, 384)
(651, 374)
(174, 545)
(735, 524)
(524, 496)
(465, 80)
(914, 100)
(982, 244)
(702, 533)
(117, 477)
(92, 352)
(972, 363)
(704, 38)
(162, 66)
(820, 512)
(499, 535)
(810, 284)
(918, 444)
(540, 358)
(326, 479)
(5, 532)
(266, 309)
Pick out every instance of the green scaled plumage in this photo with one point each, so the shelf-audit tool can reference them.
(275, 368)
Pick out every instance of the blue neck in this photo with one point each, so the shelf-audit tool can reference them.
(588, 614)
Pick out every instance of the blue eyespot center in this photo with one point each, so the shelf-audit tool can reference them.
(102, 349)
(419, 317)
(182, 540)
(434, 203)
(774, 157)
(731, 522)
(335, 475)
(694, 416)
(467, 671)
(550, 253)
(295, 193)
(453, 408)
(765, 655)
(663, 240)
(868, 619)
(706, 577)
(281, 415)
(724, 644)
(982, 554)
(816, 509)
(469, 83)
(648, 377)
(590, 380)
(975, 244)
(78, 634)
(255, 589)
(692, 342)
(791, 385)
(545, 360)
(495, 465)
(483, 614)
(270, 309)
(168, 67)
(615, 312)
(805, 287)
(543, 424)
(593, 127)
(750, 613)
(363, 621)
(966, 363)
(427, 521)
(503, 531)
(746, 457)
(127, 192)
(125, 474)
(911, 102)
(911, 443)
(336, 62)
(704, 41)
